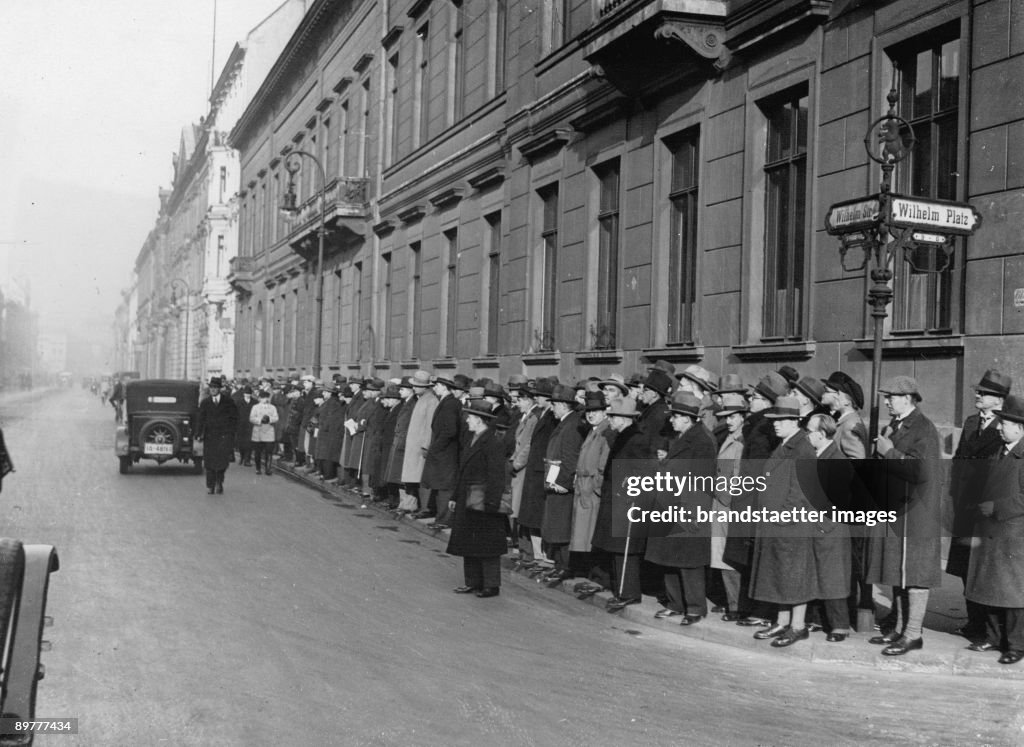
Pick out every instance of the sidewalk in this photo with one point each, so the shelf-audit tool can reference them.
(943, 653)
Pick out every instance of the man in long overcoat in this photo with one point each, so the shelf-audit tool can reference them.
(979, 442)
(245, 401)
(906, 553)
(590, 472)
(683, 550)
(560, 460)
(441, 460)
(531, 508)
(216, 425)
(995, 577)
(331, 429)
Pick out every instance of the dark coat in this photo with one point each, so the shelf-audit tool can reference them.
(442, 460)
(479, 534)
(385, 442)
(786, 567)
(531, 509)
(284, 405)
(373, 430)
(685, 545)
(352, 445)
(907, 551)
(759, 441)
(653, 421)
(217, 425)
(967, 472)
(563, 447)
(243, 438)
(331, 425)
(996, 573)
(396, 455)
(612, 521)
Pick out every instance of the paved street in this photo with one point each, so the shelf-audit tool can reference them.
(274, 615)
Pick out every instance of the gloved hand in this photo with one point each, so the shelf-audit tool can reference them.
(266, 420)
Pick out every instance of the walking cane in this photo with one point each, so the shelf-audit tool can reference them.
(625, 557)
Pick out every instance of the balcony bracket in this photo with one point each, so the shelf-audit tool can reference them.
(706, 40)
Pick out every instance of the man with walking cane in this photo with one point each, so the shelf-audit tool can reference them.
(630, 445)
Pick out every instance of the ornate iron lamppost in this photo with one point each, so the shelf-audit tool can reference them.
(289, 206)
(875, 228)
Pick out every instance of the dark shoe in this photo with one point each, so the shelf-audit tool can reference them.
(435, 525)
(691, 619)
(750, 622)
(266, 472)
(209, 491)
(556, 578)
(791, 636)
(492, 591)
(972, 634)
(836, 637)
(1011, 657)
(424, 515)
(885, 639)
(983, 646)
(259, 470)
(615, 604)
(718, 608)
(902, 646)
(466, 589)
(732, 617)
(663, 613)
(773, 632)
(220, 489)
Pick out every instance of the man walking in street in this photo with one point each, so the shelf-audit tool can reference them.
(216, 425)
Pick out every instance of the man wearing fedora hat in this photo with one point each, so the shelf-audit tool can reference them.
(245, 401)
(906, 554)
(995, 576)
(702, 383)
(809, 391)
(396, 456)
(590, 474)
(216, 424)
(629, 444)
(980, 440)
(844, 397)
(562, 454)
(417, 440)
(531, 507)
(657, 389)
(441, 461)
(330, 434)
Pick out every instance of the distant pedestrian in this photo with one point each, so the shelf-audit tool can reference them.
(263, 418)
(6, 465)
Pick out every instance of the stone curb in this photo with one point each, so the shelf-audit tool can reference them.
(943, 654)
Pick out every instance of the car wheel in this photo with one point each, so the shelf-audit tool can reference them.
(125, 465)
(198, 462)
(159, 433)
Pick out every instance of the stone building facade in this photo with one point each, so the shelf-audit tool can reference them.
(576, 187)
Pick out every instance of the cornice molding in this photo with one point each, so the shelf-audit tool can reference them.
(392, 36)
(554, 139)
(412, 214)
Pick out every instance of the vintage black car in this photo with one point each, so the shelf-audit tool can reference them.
(159, 419)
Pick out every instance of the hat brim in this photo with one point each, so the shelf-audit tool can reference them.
(811, 395)
(623, 389)
(989, 390)
(782, 415)
(731, 411)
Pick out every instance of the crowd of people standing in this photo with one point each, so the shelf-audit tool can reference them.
(535, 466)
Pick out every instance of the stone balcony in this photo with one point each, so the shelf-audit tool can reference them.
(346, 217)
(241, 273)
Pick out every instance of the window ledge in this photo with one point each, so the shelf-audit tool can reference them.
(775, 351)
(381, 365)
(445, 363)
(409, 365)
(599, 356)
(911, 346)
(355, 366)
(680, 354)
(488, 361)
(542, 359)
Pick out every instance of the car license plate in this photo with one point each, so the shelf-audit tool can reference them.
(158, 449)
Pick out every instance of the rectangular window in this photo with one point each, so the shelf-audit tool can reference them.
(391, 115)
(458, 59)
(294, 341)
(451, 238)
(492, 296)
(364, 139)
(603, 334)
(220, 255)
(343, 148)
(415, 297)
(223, 183)
(385, 319)
(555, 24)
(682, 260)
(423, 80)
(785, 173)
(357, 310)
(330, 168)
(546, 336)
(500, 31)
(929, 86)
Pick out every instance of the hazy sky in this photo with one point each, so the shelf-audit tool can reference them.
(93, 96)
